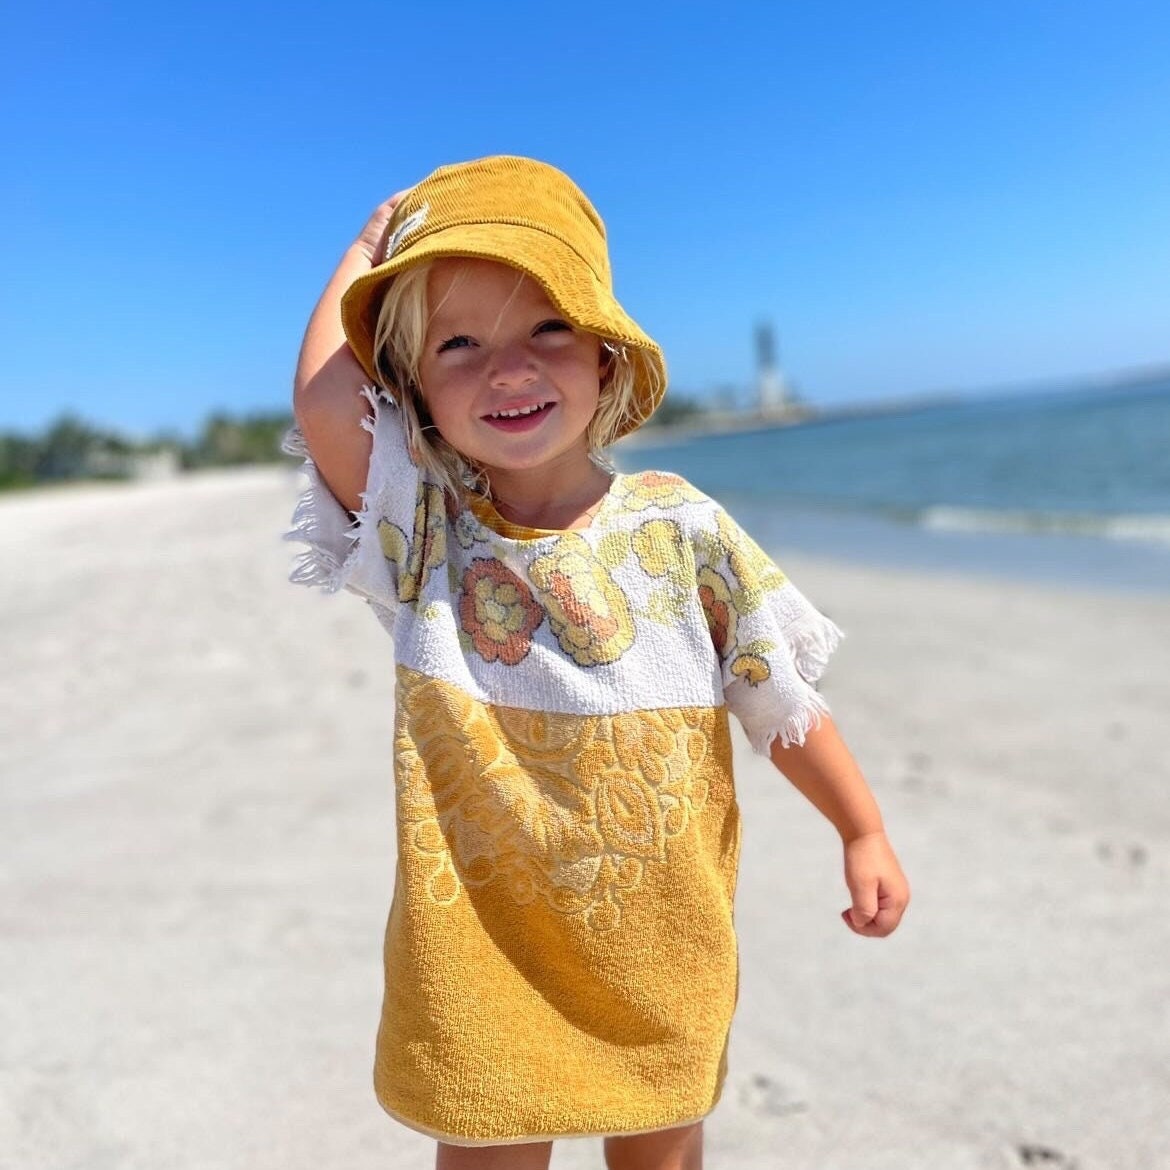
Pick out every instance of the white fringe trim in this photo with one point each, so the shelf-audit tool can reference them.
(317, 565)
(320, 521)
(795, 726)
(811, 642)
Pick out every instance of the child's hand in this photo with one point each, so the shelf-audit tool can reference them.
(372, 236)
(326, 361)
(326, 389)
(879, 888)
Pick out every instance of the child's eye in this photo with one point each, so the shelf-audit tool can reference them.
(459, 341)
(554, 326)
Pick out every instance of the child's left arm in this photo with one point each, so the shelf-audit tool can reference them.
(823, 769)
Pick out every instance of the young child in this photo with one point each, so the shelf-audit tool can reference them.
(560, 956)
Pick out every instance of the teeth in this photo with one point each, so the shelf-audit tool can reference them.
(518, 413)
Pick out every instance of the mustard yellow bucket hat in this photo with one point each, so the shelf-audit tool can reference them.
(519, 212)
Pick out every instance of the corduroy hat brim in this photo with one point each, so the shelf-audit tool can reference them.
(522, 238)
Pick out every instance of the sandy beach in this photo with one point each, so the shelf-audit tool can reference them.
(197, 804)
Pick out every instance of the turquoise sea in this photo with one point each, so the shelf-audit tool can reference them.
(1071, 486)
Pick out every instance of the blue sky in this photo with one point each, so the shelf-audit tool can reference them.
(918, 196)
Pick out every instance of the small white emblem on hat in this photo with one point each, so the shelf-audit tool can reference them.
(405, 227)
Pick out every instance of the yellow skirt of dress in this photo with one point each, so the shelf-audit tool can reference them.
(560, 954)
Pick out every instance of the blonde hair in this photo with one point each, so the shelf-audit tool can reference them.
(399, 338)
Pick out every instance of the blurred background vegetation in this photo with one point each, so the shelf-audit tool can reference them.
(73, 449)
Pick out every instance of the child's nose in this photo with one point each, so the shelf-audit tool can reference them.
(512, 365)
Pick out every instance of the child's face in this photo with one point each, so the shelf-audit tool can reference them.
(495, 345)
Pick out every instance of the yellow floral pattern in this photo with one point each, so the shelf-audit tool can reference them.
(657, 544)
(755, 572)
(413, 561)
(567, 808)
(587, 611)
(729, 595)
(656, 489)
(589, 614)
(392, 540)
(752, 668)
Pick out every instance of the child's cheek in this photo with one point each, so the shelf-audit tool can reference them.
(584, 354)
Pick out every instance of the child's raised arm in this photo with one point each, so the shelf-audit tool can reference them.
(327, 401)
(823, 769)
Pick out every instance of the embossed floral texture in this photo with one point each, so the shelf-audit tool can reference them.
(587, 611)
(567, 808)
(497, 610)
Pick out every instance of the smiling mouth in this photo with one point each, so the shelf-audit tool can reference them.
(521, 411)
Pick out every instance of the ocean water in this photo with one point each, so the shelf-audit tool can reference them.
(1070, 486)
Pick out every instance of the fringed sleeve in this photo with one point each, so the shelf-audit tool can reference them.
(355, 554)
(773, 645)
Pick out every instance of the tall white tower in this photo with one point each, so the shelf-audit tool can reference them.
(771, 389)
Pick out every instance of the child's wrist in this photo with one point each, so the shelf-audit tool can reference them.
(853, 833)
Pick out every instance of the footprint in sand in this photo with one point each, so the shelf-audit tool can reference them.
(1044, 1156)
(917, 775)
(768, 1098)
(1131, 856)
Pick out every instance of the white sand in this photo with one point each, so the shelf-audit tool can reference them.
(197, 811)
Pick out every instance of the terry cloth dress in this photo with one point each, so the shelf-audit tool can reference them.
(560, 957)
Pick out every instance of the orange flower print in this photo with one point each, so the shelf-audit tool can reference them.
(658, 489)
(718, 608)
(587, 611)
(497, 610)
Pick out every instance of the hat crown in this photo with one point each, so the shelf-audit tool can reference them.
(503, 189)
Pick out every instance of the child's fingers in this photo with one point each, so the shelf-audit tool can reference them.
(883, 923)
(863, 890)
(877, 922)
(865, 907)
(373, 234)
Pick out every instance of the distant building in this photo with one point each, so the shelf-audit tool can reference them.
(101, 463)
(161, 464)
(772, 393)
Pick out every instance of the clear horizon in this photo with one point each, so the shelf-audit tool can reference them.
(919, 201)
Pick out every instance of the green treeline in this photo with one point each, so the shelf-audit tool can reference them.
(73, 449)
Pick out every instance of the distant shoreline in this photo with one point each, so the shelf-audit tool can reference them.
(717, 422)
